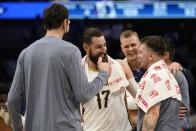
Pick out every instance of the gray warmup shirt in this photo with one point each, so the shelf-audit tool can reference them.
(168, 116)
(184, 89)
(50, 79)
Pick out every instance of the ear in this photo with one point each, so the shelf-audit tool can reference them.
(66, 23)
(166, 56)
(85, 47)
(151, 55)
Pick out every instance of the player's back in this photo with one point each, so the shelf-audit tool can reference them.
(50, 103)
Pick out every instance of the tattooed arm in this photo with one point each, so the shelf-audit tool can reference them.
(150, 118)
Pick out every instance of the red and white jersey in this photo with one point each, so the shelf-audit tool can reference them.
(107, 110)
(157, 84)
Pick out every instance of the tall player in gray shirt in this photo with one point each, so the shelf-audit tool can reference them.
(50, 80)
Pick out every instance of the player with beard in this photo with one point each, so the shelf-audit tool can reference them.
(106, 111)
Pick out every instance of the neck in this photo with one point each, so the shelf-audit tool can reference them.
(168, 62)
(134, 64)
(156, 59)
(55, 32)
(92, 66)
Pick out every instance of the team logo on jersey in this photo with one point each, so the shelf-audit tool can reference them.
(115, 81)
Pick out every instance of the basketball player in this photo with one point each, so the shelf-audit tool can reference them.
(51, 80)
(106, 111)
(130, 43)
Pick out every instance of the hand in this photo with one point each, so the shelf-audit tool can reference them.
(126, 68)
(175, 67)
(182, 112)
(104, 66)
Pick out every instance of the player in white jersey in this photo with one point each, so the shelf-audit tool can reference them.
(107, 110)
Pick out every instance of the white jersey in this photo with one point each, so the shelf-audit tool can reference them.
(107, 110)
(131, 102)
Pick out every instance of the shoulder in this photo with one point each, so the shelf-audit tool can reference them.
(68, 45)
(22, 54)
(153, 76)
(58, 43)
(115, 63)
(178, 74)
(180, 77)
(68, 49)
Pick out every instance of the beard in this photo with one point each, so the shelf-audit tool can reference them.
(94, 58)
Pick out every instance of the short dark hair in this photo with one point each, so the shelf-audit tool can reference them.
(54, 16)
(128, 33)
(156, 43)
(89, 33)
(170, 47)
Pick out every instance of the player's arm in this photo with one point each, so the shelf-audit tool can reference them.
(16, 96)
(150, 118)
(184, 89)
(133, 86)
(84, 90)
(175, 67)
